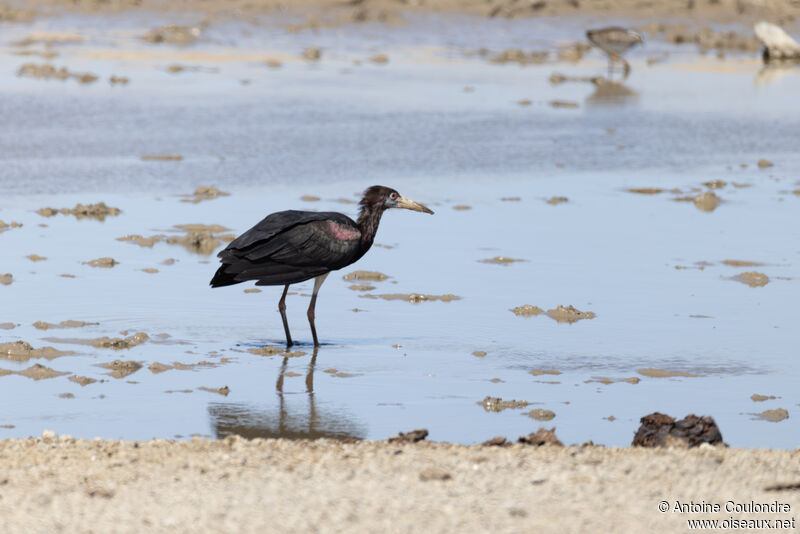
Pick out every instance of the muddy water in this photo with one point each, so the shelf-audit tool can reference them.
(666, 307)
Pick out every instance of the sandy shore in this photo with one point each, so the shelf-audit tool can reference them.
(59, 484)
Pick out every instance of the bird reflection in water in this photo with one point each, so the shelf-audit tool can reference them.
(250, 421)
(608, 92)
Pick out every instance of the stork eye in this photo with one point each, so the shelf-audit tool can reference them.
(393, 196)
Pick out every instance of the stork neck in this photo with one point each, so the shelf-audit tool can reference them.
(368, 221)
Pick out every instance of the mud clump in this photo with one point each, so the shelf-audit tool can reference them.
(42, 325)
(118, 343)
(659, 430)
(496, 404)
(707, 201)
(741, 263)
(312, 54)
(414, 298)
(462, 207)
(310, 198)
(82, 380)
(773, 416)
(563, 104)
(103, 263)
(380, 59)
(498, 441)
(6, 226)
(539, 372)
(97, 211)
(526, 310)
(7, 326)
(6, 279)
(143, 241)
(35, 257)
(555, 201)
(252, 290)
(765, 164)
(541, 438)
(752, 278)
(661, 373)
(515, 55)
(118, 80)
(541, 415)
(410, 437)
(755, 397)
(715, 184)
(22, 351)
(569, 314)
(500, 260)
(646, 190)
(40, 372)
(199, 238)
(162, 157)
(360, 287)
(224, 390)
(47, 72)
(122, 368)
(479, 354)
(173, 34)
(276, 351)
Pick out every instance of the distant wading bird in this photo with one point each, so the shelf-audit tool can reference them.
(615, 41)
(291, 246)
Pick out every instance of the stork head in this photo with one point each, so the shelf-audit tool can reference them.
(383, 198)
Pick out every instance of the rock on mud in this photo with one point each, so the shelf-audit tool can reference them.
(569, 314)
(659, 430)
(40, 372)
(752, 278)
(496, 404)
(82, 380)
(526, 310)
(541, 438)
(707, 201)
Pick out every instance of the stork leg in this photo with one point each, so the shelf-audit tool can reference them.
(282, 309)
(317, 283)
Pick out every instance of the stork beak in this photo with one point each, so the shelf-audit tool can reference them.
(409, 204)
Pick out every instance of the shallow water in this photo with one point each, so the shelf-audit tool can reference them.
(332, 128)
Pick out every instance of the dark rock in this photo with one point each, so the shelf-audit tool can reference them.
(660, 430)
(498, 441)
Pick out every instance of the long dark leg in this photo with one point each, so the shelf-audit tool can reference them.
(282, 309)
(627, 70)
(317, 283)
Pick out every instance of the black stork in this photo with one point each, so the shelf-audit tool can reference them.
(615, 41)
(288, 247)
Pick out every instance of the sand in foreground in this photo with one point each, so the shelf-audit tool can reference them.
(235, 485)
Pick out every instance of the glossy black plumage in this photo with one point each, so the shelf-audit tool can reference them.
(291, 246)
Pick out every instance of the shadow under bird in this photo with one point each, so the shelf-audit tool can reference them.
(615, 41)
(288, 247)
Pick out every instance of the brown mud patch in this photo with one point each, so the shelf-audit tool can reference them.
(204, 192)
(520, 57)
(7, 326)
(715, 184)
(540, 372)
(224, 390)
(752, 278)
(765, 164)
(158, 367)
(22, 351)
(360, 287)
(149, 270)
(103, 263)
(252, 290)
(646, 190)
(742, 263)
(526, 310)
(568, 314)
(365, 276)
(755, 397)
(173, 34)
(6, 279)
(607, 381)
(6, 226)
(82, 380)
(555, 201)
(500, 260)
(35, 257)
(310, 198)
(662, 373)
(462, 207)
(42, 325)
(276, 351)
(496, 404)
(563, 104)
(162, 157)
(122, 368)
(660, 430)
(98, 211)
(413, 298)
(46, 71)
(510, 199)
(40, 372)
(773, 416)
(541, 415)
(479, 353)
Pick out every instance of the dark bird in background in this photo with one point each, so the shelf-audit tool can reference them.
(291, 246)
(615, 41)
